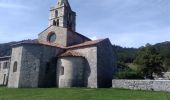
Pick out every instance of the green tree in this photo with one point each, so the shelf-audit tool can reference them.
(150, 61)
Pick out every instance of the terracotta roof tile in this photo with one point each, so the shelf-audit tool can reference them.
(36, 42)
(54, 45)
(88, 43)
(85, 44)
(71, 53)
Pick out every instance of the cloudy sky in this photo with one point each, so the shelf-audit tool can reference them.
(129, 23)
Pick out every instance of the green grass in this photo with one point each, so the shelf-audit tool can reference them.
(80, 94)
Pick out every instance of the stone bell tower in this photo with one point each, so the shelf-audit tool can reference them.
(62, 15)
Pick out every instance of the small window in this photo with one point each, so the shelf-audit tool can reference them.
(5, 66)
(62, 71)
(15, 67)
(54, 23)
(58, 22)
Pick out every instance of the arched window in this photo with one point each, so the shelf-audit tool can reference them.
(56, 13)
(54, 23)
(62, 71)
(15, 66)
(58, 22)
(51, 37)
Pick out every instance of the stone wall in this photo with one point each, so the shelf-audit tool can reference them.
(90, 54)
(14, 76)
(106, 64)
(61, 35)
(4, 71)
(36, 66)
(64, 37)
(154, 85)
(48, 66)
(71, 71)
(74, 38)
(66, 17)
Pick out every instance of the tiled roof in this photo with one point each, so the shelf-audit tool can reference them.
(54, 45)
(85, 44)
(35, 41)
(88, 43)
(71, 53)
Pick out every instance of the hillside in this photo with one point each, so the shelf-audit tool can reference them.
(5, 49)
(125, 55)
(164, 50)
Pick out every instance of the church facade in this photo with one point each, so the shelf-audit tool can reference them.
(60, 57)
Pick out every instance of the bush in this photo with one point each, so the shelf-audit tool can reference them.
(128, 74)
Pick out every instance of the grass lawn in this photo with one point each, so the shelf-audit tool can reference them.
(80, 94)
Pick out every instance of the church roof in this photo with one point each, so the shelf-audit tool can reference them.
(85, 44)
(29, 41)
(35, 42)
(70, 53)
(69, 30)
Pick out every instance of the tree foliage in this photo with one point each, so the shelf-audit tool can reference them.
(150, 61)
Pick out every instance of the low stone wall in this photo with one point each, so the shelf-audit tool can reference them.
(154, 85)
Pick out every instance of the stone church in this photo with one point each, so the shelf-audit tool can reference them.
(60, 57)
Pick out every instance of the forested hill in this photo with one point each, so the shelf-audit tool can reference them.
(125, 55)
(164, 50)
(5, 49)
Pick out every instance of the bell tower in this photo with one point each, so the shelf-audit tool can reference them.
(62, 15)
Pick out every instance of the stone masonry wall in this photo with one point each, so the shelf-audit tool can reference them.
(30, 66)
(106, 64)
(73, 38)
(155, 85)
(4, 72)
(48, 67)
(36, 66)
(73, 72)
(90, 55)
(14, 76)
(61, 35)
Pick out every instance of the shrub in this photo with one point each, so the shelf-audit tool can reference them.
(128, 74)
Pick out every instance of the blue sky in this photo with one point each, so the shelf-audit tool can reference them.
(129, 23)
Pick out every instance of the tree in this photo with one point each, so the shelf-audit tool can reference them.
(150, 61)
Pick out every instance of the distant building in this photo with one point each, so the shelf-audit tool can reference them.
(60, 57)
